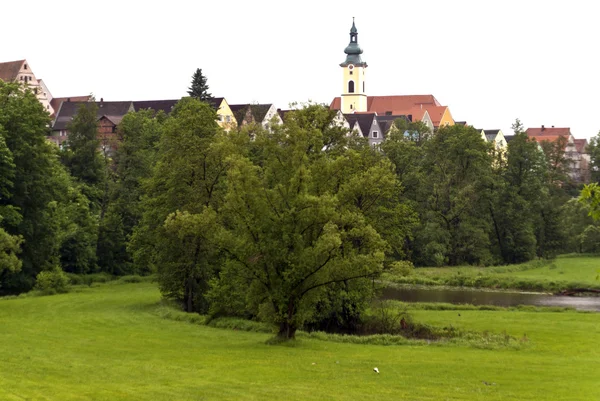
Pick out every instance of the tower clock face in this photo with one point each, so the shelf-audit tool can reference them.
(350, 67)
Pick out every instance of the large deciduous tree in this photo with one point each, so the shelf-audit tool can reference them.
(187, 178)
(37, 206)
(299, 217)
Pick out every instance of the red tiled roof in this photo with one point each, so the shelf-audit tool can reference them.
(10, 70)
(543, 131)
(547, 138)
(436, 114)
(414, 105)
(383, 104)
(581, 145)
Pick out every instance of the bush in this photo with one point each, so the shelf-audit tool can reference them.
(53, 281)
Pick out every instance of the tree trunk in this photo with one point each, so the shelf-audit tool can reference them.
(287, 331)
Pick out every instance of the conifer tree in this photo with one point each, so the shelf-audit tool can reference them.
(199, 88)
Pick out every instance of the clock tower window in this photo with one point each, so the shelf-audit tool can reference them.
(350, 86)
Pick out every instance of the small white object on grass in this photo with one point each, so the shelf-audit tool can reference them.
(375, 370)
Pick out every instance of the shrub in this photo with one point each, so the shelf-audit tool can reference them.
(53, 281)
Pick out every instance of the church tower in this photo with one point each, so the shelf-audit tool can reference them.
(354, 97)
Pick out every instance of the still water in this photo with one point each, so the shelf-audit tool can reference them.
(474, 297)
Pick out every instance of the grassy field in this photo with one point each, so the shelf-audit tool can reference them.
(556, 275)
(109, 343)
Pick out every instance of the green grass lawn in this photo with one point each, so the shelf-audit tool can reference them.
(562, 273)
(109, 343)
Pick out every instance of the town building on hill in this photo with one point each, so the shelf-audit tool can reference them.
(354, 98)
(20, 71)
(575, 149)
(109, 116)
(262, 114)
(495, 137)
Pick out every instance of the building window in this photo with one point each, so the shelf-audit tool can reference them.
(21, 77)
(351, 72)
(350, 86)
(25, 66)
(375, 134)
(363, 86)
(228, 119)
(351, 107)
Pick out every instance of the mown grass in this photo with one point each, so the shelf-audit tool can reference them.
(111, 343)
(562, 273)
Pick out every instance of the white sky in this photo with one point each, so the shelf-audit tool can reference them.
(490, 62)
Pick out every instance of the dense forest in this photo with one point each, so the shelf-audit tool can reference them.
(290, 224)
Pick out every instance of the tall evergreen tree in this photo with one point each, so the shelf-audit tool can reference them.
(199, 88)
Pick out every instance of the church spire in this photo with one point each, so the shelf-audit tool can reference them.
(354, 97)
(353, 50)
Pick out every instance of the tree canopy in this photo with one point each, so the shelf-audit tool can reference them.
(199, 87)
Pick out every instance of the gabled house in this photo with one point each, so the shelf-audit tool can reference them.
(574, 149)
(496, 137)
(256, 113)
(226, 118)
(20, 71)
(109, 116)
(366, 124)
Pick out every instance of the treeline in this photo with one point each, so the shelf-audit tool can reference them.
(289, 225)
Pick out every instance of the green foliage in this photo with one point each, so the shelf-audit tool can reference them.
(10, 247)
(81, 154)
(187, 179)
(297, 216)
(593, 149)
(199, 87)
(456, 168)
(31, 187)
(53, 281)
(139, 134)
(590, 195)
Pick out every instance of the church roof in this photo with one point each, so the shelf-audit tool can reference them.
(10, 70)
(353, 50)
(384, 104)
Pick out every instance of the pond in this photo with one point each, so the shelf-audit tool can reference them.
(478, 297)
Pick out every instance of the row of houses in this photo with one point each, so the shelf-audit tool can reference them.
(369, 116)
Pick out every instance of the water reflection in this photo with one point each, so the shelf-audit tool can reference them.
(474, 297)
